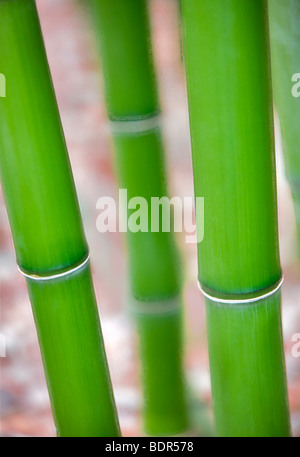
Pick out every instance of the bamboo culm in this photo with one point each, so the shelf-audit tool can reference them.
(133, 109)
(285, 53)
(47, 231)
(226, 50)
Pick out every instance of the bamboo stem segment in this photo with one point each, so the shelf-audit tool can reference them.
(70, 338)
(285, 51)
(132, 105)
(47, 230)
(230, 106)
(247, 368)
(160, 346)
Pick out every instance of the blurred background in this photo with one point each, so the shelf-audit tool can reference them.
(76, 72)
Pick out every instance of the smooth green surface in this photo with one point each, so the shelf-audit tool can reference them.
(248, 369)
(285, 51)
(153, 258)
(227, 61)
(35, 171)
(66, 316)
(230, 106)
(44, 216)
(160, 339)
(130, 88)
(127, 63)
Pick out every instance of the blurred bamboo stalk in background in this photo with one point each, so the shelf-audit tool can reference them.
(133, 109)
(285, 53)
(46, 225)
(226, 49)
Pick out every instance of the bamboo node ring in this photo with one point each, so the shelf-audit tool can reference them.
(167, 305)
(231, 301)
(67, 272)
(135, 125)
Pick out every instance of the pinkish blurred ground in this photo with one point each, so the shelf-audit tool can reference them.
(74, 64)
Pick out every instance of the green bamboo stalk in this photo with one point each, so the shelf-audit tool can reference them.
(230, 106)
(47, 230)
(285, 52)
(132, 105)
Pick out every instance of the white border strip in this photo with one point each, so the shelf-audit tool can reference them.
(54, 276)
(135, 126)
(245, 301)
